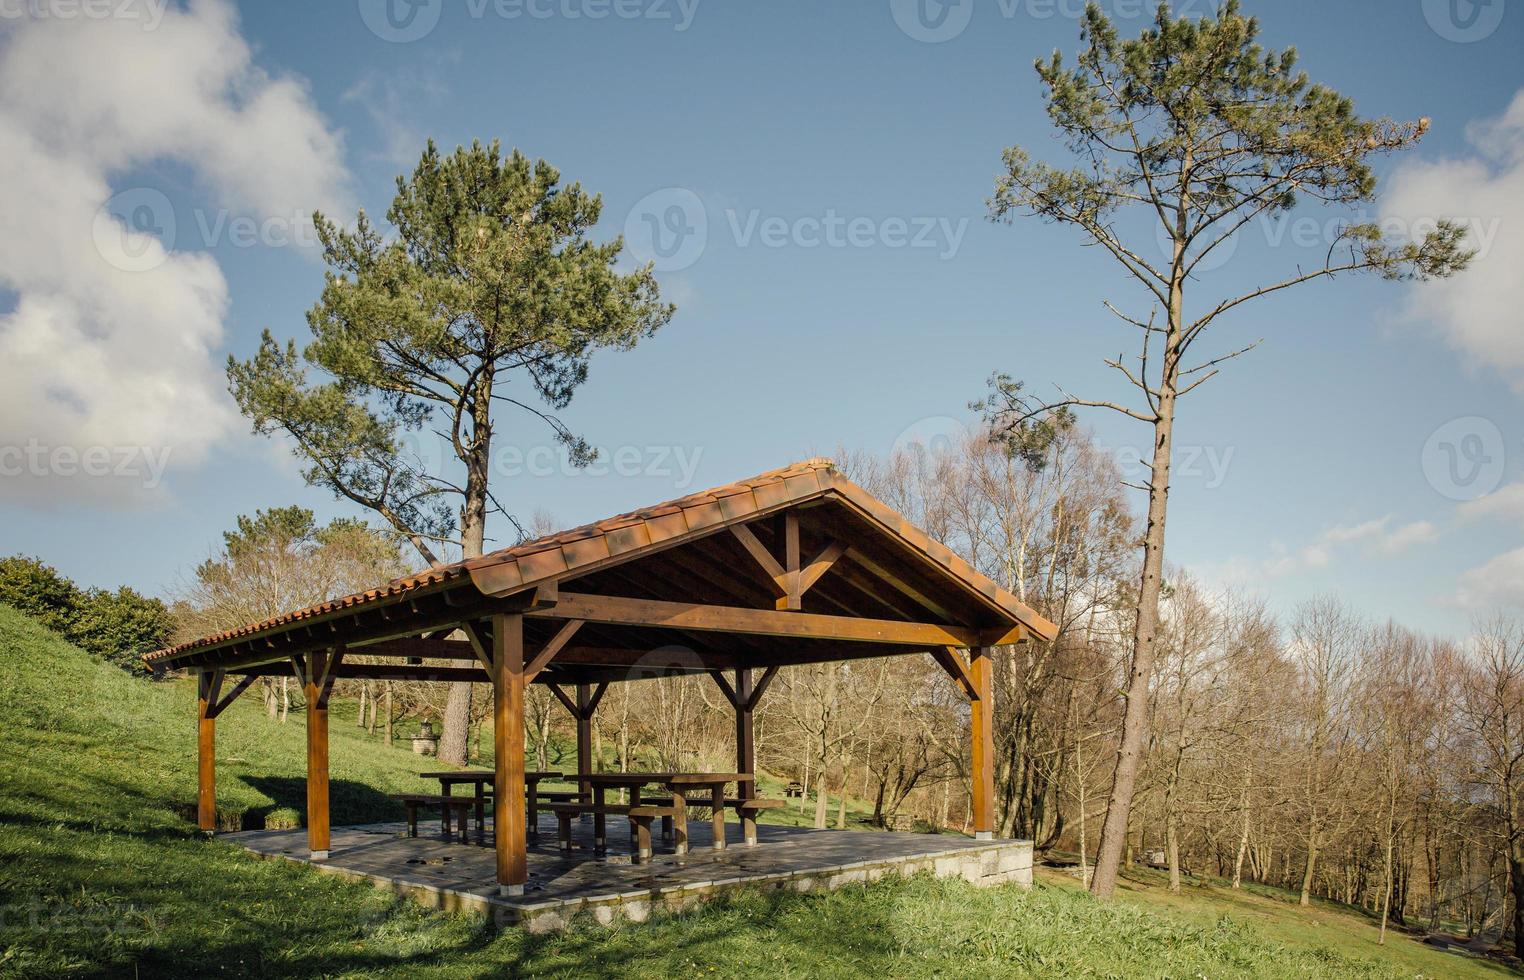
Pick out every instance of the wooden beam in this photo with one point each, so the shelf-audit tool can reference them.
(982, 732)
(793, 595)
(815, 570)
(206, 757)
(583, 709)
(428, 612)
(330, 674)
(728, 691)
(508, 752)
(317, 756)
(1004, 636)
(775, 572)
(746, 751)
(761, 622)
(761, 686)
(221, 705)
(561, 696)
(952, 662)
(480, 645)
(548, 653)
(598, 693)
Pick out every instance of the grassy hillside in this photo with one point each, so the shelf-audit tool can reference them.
(99, 875)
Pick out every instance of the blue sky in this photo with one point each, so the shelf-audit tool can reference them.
(845, 290)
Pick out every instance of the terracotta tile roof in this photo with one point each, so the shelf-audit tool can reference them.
(583, 549)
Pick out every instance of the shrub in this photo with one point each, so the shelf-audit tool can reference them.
(118, 627)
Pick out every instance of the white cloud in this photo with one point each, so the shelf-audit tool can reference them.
(1476, 310)
(1505, 503)
(1374, 537)
(113, 335)
(1500, 582)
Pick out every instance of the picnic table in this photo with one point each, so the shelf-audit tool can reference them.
(481, 779)
(679, 785)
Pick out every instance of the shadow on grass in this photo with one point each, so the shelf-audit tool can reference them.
(349, 802)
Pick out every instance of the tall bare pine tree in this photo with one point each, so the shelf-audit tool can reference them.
(1198, 131)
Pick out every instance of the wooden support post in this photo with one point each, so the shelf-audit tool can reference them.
(508, 752)
(982, 730)
(585, 707)
(313, 689)
(746, 751)
(206, 757)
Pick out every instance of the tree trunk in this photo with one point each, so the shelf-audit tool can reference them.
(821, 799)
(1516, 885)
(455, 728)
(1307, 870)
(1108, 860)
(1243, 845)
(388, 699)
(473, 535)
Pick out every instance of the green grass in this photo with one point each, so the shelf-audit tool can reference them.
(100, 874)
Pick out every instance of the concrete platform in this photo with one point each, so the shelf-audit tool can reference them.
(454, 876)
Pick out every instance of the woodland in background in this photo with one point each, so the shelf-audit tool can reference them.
(1340, 758)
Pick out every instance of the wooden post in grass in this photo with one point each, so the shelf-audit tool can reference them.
(508, 752)
(206, 756)
(982, 730)
(317, 682)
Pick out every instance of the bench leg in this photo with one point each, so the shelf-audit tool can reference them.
(666, 830)
(680, 825)
(412, 818)
(600, 825)
(749, 827)
(463, 820)
(717, 816)
(642, 828)
(563, 834)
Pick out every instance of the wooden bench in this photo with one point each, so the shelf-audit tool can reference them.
(640, 816)
(460, 804)
(747, 808)
(536, 802)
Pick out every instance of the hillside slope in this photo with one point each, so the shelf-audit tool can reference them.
(100, 876)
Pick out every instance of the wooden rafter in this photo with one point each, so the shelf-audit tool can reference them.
(761, 686)
(549, 651)
(564, 698)
(219, 705)
(952, 662)
(815, 570)
(762, 622)
(480, 644)
(776, 574)
(725, 688)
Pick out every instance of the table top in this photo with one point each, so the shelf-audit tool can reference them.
(482, 776)
(668, 778)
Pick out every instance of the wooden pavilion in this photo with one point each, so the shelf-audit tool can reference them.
(796, 566)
